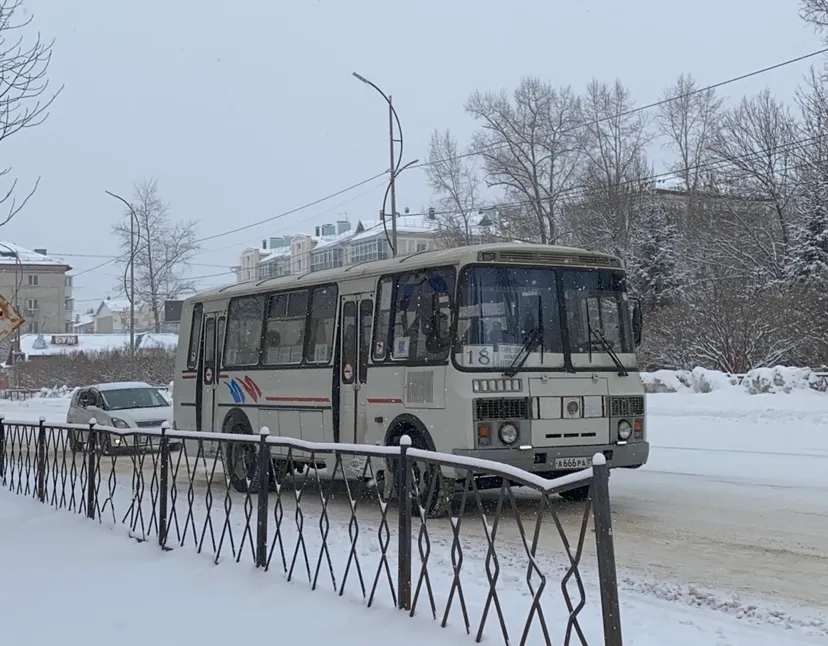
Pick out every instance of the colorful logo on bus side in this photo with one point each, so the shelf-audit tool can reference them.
(238, 388)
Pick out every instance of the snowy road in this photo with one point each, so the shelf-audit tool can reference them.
(738, 487)
(733, 501)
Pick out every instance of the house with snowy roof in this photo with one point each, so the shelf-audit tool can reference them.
(112, 317)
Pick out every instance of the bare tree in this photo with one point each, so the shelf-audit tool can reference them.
(814, 12)
(615, 176)
(24, 90)
(529, 147)
(688, 120)
(756, 150)
(456, 185)
(163, 250)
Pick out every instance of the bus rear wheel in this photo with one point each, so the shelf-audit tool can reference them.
(241, 459)
(429, 497)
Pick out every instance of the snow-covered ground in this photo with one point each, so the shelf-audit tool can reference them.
(721, 539)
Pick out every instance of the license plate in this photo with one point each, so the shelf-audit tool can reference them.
(573, 463)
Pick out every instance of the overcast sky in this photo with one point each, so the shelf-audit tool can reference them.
(246, 109)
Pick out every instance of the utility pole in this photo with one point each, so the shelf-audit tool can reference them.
(395, 158)
(132, 292)
(132, 221)
(393, 170)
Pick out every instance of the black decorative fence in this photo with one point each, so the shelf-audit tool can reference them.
(504, 562)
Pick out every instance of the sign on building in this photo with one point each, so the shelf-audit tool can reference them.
(64, 339)
(10, 320)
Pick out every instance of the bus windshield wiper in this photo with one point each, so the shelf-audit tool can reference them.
(531, 341)
(608, 348)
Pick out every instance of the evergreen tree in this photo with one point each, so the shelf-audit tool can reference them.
(654, 268)
(808, 258)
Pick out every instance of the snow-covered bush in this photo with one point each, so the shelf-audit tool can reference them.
(780, 379)
(698, 380)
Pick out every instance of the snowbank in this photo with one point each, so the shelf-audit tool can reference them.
(66, 392)
(760, 381)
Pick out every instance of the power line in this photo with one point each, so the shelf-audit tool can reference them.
(642, 108)
(585, 190)
(115, 258)
(292, 211)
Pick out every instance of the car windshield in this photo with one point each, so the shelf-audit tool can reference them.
(125, 398)
(500, 309)
(596, 311)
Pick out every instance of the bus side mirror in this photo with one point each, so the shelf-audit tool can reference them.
(637, 322)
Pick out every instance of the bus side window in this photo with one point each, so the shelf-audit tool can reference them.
(285, 332)
(195, 337)
(322, 319)
(381, 340)
(243, 332)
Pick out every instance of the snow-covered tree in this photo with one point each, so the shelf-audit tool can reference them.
(808, 260)
(654, 266)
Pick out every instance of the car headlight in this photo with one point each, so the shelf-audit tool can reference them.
(117, 422)
(508, 433)
(624, 430)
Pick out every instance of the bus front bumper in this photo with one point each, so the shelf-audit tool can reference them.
(558, 459)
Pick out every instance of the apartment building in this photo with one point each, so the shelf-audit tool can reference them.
(39, 287)
(335, 245)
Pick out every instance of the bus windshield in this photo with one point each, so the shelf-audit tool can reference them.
(499, 308)
(503, 311)
(596, 312)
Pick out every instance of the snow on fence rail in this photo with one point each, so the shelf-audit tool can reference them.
(452, 551)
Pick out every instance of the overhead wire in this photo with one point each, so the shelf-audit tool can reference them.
(643, 108)
(428, 163)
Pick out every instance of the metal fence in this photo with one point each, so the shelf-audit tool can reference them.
(20, 394)
(505, 563)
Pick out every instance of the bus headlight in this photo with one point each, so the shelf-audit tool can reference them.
(508, 433)
(624, 430)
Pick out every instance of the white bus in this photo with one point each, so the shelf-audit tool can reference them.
(519, 353)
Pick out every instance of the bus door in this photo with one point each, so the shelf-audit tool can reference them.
(356, 319)
(212, 342)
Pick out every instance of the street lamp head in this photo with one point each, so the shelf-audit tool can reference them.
(361, 78)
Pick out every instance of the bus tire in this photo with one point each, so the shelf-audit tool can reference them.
(241, 461)
(433, 505)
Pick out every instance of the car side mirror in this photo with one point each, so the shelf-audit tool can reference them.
(637, 322)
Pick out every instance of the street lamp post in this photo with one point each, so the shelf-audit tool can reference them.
(395, 159)
(132, 222)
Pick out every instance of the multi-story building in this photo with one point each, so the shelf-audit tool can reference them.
(336, 245)
(39, 287)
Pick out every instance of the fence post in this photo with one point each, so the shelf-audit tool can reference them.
(41, 460)
(404, 530)
(163, 494)
(2, 447)
(91, 468)
(605, 548)
(263, 473)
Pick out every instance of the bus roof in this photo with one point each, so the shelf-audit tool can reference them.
(507, 253)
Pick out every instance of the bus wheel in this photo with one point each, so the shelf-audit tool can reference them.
(241, 459)
(578, 494)
(430, 497)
